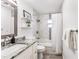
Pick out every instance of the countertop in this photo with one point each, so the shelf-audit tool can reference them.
(16, 49)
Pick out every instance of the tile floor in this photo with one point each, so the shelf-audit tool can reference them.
(48, 54)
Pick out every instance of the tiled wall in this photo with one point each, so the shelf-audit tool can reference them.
(28, 32)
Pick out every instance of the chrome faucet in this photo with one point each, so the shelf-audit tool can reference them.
(7, 40)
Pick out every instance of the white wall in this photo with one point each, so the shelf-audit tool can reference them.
(28, 32)
(70, 20)
(35, 17)
(57, 30)
(70, 14)
(7, 21)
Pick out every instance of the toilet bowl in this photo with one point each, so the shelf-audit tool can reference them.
(40, 50)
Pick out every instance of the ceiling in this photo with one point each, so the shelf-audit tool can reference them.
(46, 6)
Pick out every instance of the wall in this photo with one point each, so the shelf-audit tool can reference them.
(35, 23)
(70, 20)
(70, 14)
(28, 32)
(43, 27)
(57, 30)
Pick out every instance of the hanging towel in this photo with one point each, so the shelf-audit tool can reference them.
(71, 38)
(67, 37)
(75, 40)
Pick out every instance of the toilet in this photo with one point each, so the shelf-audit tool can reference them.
(40, 49)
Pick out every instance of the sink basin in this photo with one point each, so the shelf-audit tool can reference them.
(12, 51)
(27, 42)
(7, 46)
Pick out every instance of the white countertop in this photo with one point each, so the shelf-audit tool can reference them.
(8, 53)
(11, 51)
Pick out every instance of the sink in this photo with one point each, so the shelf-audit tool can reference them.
(7, 46)
(27, 42)
(12, 51)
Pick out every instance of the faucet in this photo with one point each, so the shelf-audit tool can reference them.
(3, 43)
(7, 40)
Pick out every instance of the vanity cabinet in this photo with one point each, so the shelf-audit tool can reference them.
(29, 53)
(34, 51)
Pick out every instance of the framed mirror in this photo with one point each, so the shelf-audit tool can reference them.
(8, 19)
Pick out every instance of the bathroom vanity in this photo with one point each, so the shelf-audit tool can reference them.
(20, 51)
(28, 53)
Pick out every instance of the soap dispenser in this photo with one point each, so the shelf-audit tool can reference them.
(13, 39)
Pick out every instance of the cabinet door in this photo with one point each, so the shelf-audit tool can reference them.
(34, 51)
(27, 54)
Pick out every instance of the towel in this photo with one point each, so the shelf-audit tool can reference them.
(66, 37)
(75, 40)
(71, 38)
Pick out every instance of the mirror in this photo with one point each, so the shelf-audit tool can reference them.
(8, 18)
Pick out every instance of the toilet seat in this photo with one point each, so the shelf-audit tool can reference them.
(45, 44)
(40, 48)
